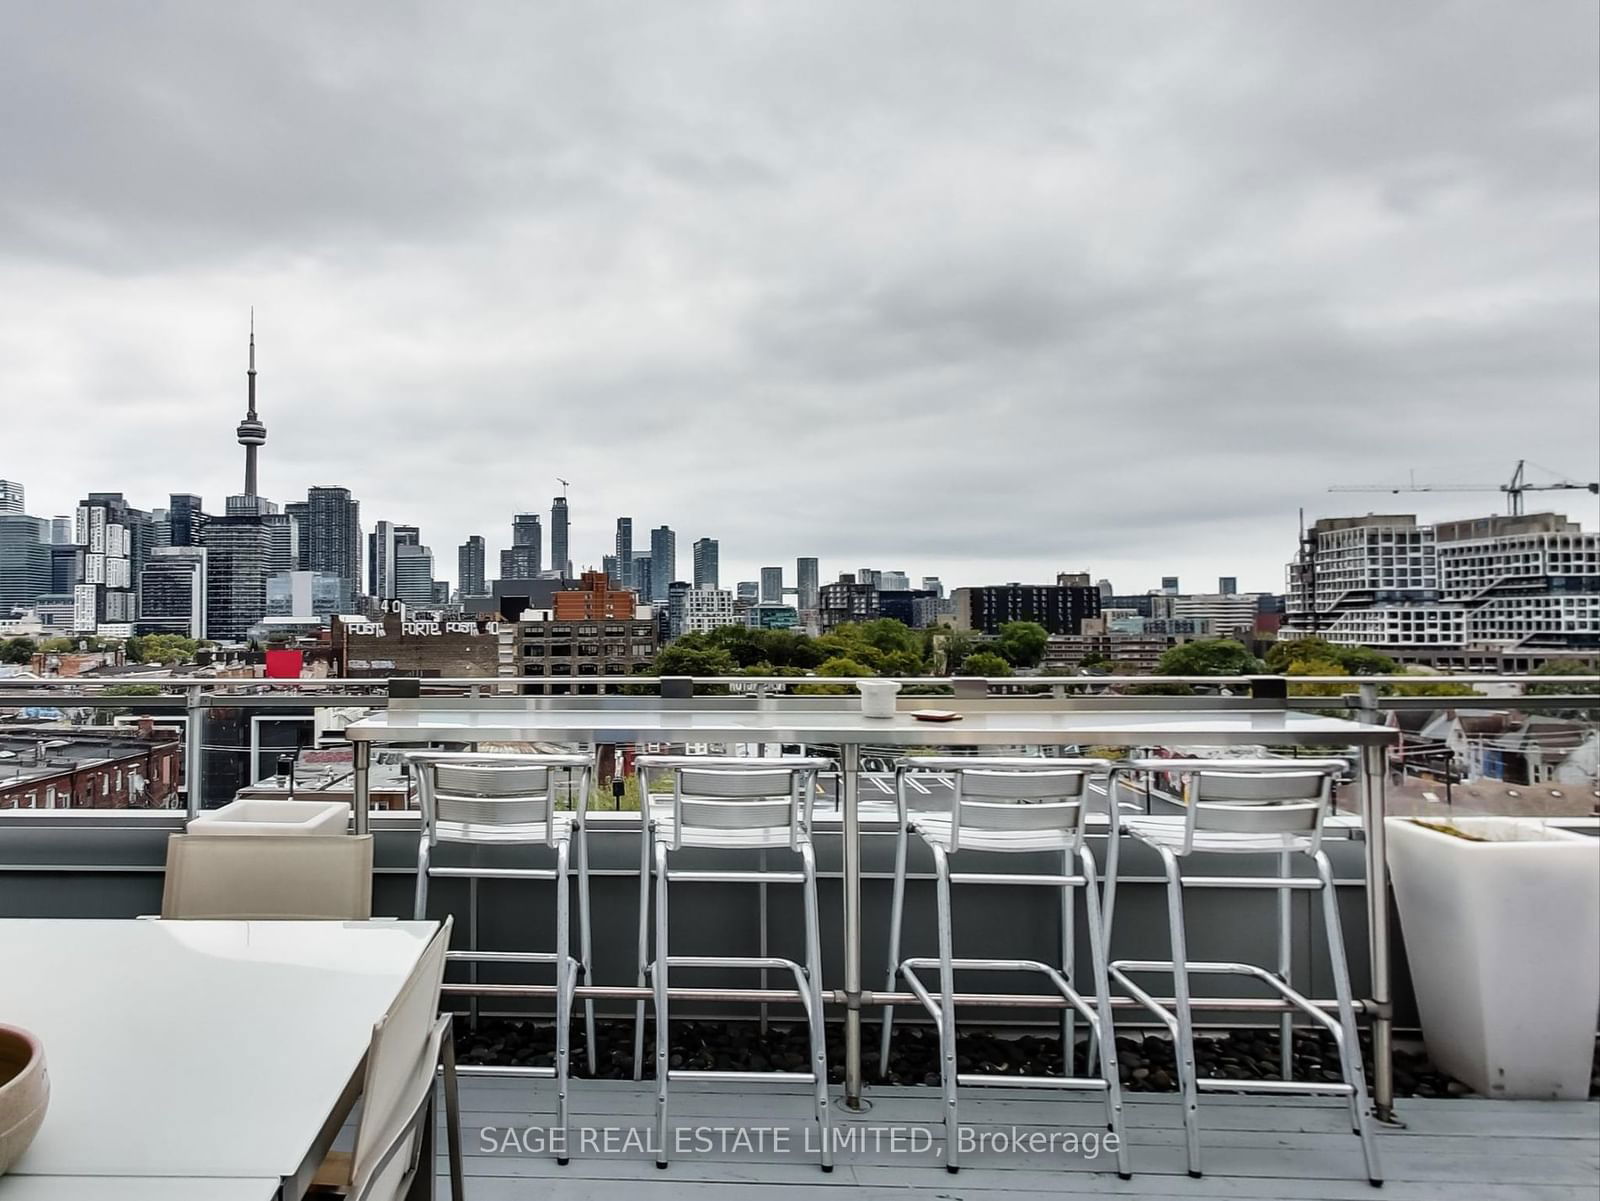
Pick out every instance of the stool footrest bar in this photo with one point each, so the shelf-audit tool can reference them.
(1219, 1084)
(1081, 1083)
(743, 1077)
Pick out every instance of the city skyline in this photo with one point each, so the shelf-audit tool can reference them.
(1134, 335)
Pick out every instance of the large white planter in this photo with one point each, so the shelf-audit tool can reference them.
(264, 816)
(1503, 937)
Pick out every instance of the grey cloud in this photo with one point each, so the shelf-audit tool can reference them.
(988, 289)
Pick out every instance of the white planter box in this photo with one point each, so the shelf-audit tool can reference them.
(1503, 937)
(274, 817)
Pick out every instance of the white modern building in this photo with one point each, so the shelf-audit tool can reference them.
(1228, 613)
(1504, 583)
(706, 609)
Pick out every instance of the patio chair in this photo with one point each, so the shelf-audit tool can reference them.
(735, 805)
(1006, 806)
(394, 1135)
(502, 800)
(245, 877)
(1245, 807)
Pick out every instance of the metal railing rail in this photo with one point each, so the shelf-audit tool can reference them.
(383, 682)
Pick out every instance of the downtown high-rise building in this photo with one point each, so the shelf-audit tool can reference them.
(106, 590)
(772, 585)
(25, 561)
(560, 556)
(239, 554)
(623, 553)
(382, 547)
(413, 570)
(663, 561)
(470, 567)
(525, 558)
(299, 514)
(705, 563)
(11, 498)
(186, 519)
(643, 575)
(334, 534)
(172, 592)
(806, 584)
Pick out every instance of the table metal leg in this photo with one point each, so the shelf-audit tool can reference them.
(1373, 806)
(194, 754)
(361, 760)
(849, 783)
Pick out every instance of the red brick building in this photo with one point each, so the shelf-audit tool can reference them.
(64, 768)
(595, 601)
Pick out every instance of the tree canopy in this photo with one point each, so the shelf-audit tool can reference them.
(161, 648)
(1355, 660)
(1557, 668)
(883, 647)
(1022, 643)
(16, 650)
(984, 663)
(1208, 657)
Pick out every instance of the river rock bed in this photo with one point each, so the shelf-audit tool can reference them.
(1145, 1062)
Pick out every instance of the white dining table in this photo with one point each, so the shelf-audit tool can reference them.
(137, 1188)
(196, 1049)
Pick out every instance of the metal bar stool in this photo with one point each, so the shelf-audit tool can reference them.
(754, 805)
(511, 800)
(1009, 805)
(1245, 807)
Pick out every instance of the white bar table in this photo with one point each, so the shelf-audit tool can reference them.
(199, 1049)
(596, 720)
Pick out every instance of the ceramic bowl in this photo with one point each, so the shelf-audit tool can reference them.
(24, 1093)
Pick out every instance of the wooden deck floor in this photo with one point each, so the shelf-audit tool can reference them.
(1288, 1149)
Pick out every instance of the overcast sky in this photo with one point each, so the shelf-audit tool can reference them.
(986, 290)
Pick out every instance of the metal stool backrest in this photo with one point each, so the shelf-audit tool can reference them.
(466, 798)
(1254, 797)
(751, 795)
(1005, 794)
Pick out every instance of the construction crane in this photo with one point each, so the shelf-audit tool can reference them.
(563, 484)
(1513, 490)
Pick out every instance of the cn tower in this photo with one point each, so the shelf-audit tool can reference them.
(251, 432)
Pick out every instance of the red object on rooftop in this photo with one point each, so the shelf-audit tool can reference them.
(284, 665)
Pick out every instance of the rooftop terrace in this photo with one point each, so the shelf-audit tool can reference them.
(96, 864)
